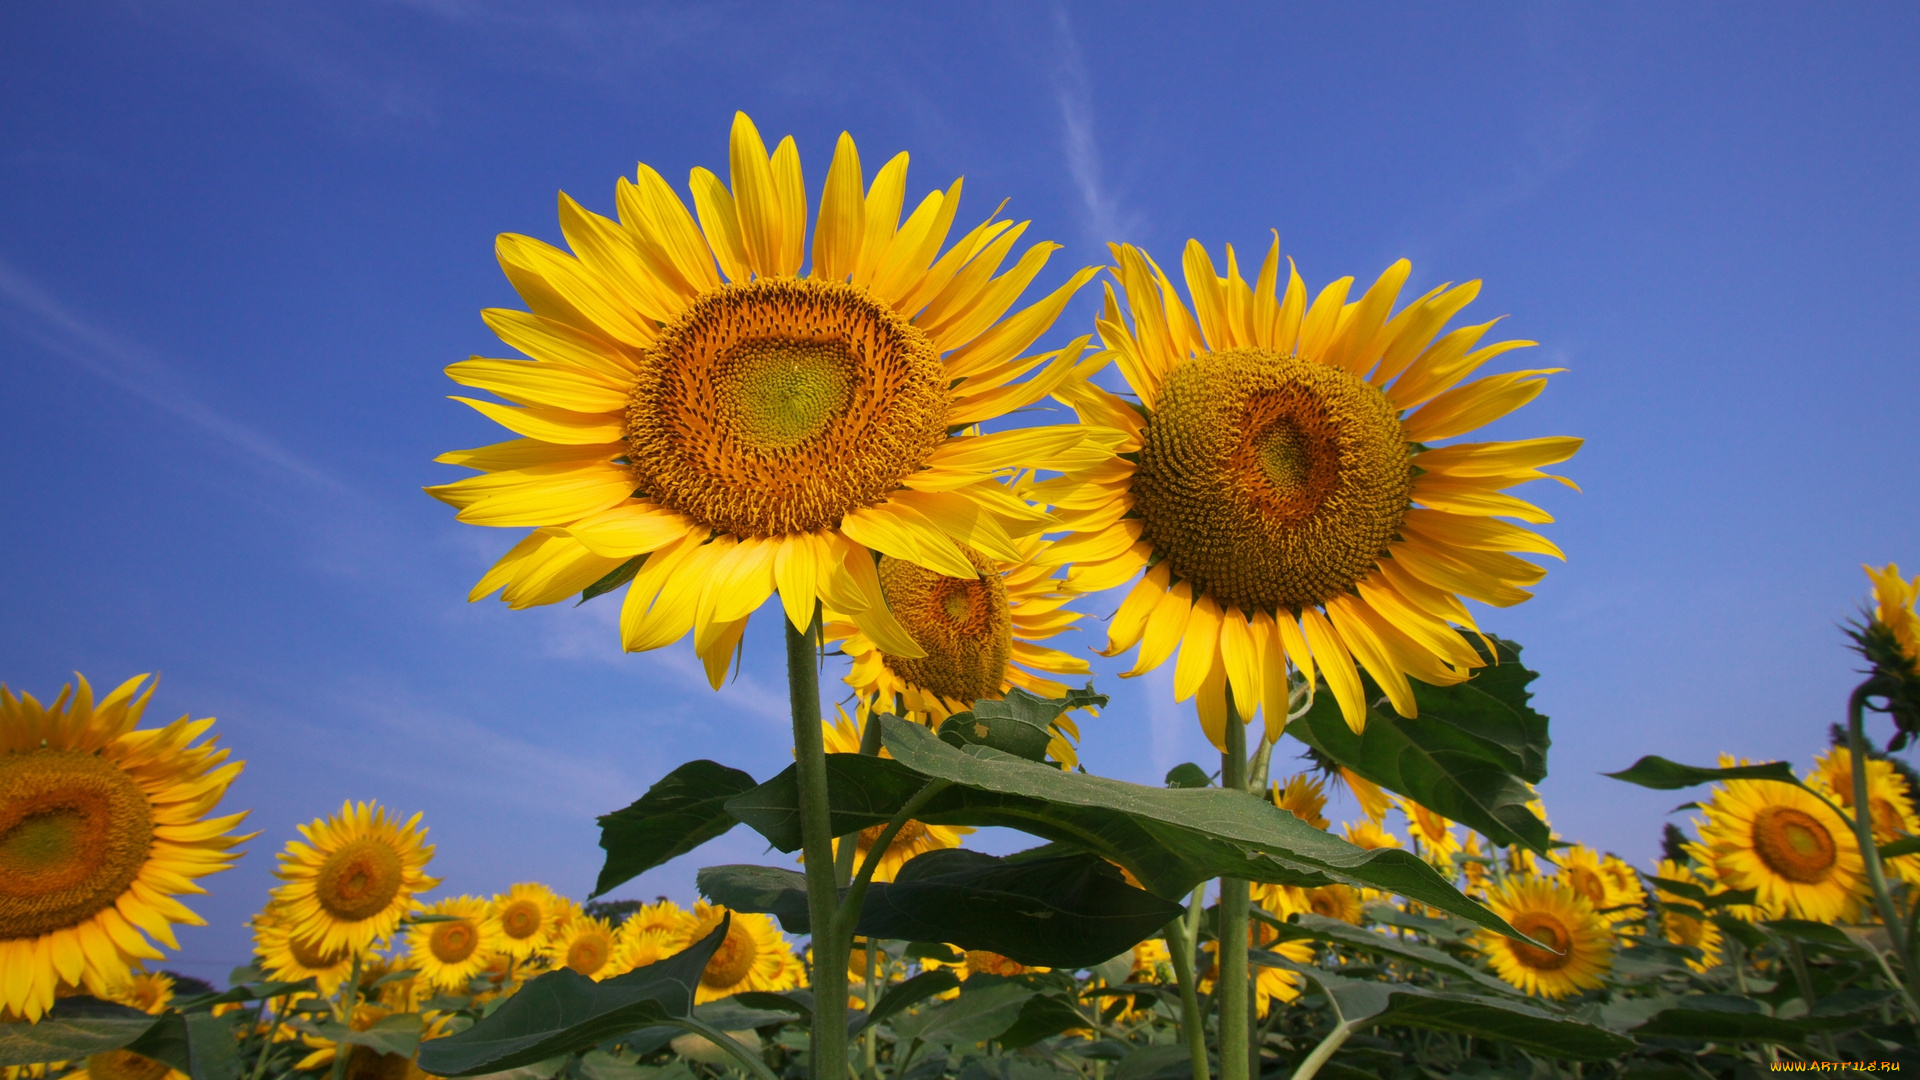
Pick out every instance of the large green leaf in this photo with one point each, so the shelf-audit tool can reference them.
(1368, 1002)
(1043, 1016)
(983, 1010)
(761, 890)
(861, 791)
(1469, 755)
(248, 992)
(904, 995)
(1311, 927)
(1725, 1018)
(685, 809)
(562, 1012)
(201, 1046)
(1170, 838)
(1020, 724)
(1660, 774)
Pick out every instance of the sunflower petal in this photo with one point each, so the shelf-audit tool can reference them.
(1330, 656)
(1165, 626)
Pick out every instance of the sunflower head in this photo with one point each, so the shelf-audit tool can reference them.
(353, 878)
(1890, 640)
(1368, 833)
(586, 945)
(289, 957)
(1303, 796)
(1783, 842)
(1680, 919)
(1889, 801)
(1335, 901)
(102, 824)
(527, 917)
(753, 956)
(1281, 484)
(1434, 833)
(1580, 946)
(453, 944)
(914, 838)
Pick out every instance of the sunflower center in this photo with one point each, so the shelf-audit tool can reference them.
(1546, 928)
(588, 953)
(520, 919)
(125, 1065)
(1270, 481)
(1588, 884)
(75, 831)
(733, 960)
(453, 942)
(964, 624)
(1794, 844)
(780, 405)
(309, 955)
(359, 880)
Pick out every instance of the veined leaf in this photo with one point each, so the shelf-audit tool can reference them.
(915, 990)
(760, 890)
(862, 792)
(1311, 927)
(1660, 774)
(985, 1008)
(1020, 724)
(685, 809)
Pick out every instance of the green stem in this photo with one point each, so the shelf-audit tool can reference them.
(1334, 1040)
(1232, 984)
(849, 908)
(1192, 1024)
(756, 1067)
(349, 999)
(279, 1017)
(830, 943)
(870, 1039)
(1863, 830)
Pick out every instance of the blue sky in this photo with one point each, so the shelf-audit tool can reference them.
(239, 242)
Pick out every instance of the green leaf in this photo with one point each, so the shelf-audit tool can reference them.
(1747, 934)
(1311, 927)
(915, 990)
(1443, 929)
(1020, 724)
(1660, 774)
(1468, 756)
(862, 792)
(76, 1028)
(760, 890)
(1162, 1062)
(1187, 774)
(1170, 838)
(1043, 1016)
(1724, 1018)
(1893, 849)
(985, 1008)
(397, 1034)
(563, 1012)
(768, 1001)
(1516, 1022)
(615, 578)
(685, 809)
(1067, 911)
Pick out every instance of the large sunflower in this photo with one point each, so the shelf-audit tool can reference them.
(353, 878)
(1888, 799)
(975, 634)
(1553, 914)
(754, 956)
(1783, 842)
(289, 958)
(101, 826)
(450, 950)
(717, 434)
(1279, 486)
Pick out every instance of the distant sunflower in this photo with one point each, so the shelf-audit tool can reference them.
(450, 954)
(1279, 486)
(1784, 843)
(1270, 984)
(1581, 869)
(288, 958)
(528, 916)
(1368, 834)
(1552, 914)
(1681, 928)
(1304, 797)
(975, 633)
(353, 878)
(586, 945)
(754, 955)
(636, 947)
(1335, 901)
(663, 915)
(1888, 797)
(749, 430)
(1890, 640)
(101, 826)
(842, 736)
(149, 991)
(1433, 834)
(1476, 872)
(1152, 962)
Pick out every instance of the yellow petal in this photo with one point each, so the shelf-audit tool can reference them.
(556, 342)
(1331, 658)
(962, 519)
(791, 187)
(1519, 459)
(1445, 364)
(1110, 574)
(503, 570)
(854, 587)
(719, 654)
(568, 291)
(797, 568)
(1474, 496)
(552, 425)
(1450, 569)
(719, 224)
(1316, 330)
(1096, 547)
(755, 203)
(836, 239)
(1359, 343)
(673, 610)
(1421, 322)
(883, 203)
(1164, 628)
(1241, 657)
(901, 531)
(537, 382)
(1271, 655)
(1209, 297)
(1005, 449)
(632, 528)
(1199, 647)
(548, 496)
(1474, 405)
(738, 584)
(644, 590)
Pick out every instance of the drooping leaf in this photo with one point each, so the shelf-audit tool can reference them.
(1653, 771)
(1311, 927)
(685, 809)
(563, 1012)
(862, 792)
(1068, 911)
(1694, 892)
(984, 1009)
(797, 1002)
(1893, 849)
(1043, 1016)
(1509, 1020)
(915, 990)
(1162, 1062)
(76, 1028)
(1171, 839)
(1466, 755)
(762, 890)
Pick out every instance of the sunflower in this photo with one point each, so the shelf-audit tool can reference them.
(1281, 492)
(717, 434)
(101, 826)
(1152, 962)
(842, 736)
(975, 633)
(1304, 797)
(449, 954)
(1431, 833)
(1889, 800)
(1626, 894)
(1681, 928)
(586, 945)
(636, 946)
(1476, 872)
(1783, 842)
(754, 956)
(1368, 834)
(1584, 871)
(662, 915)
(150, 992)
(354, 878)
(1553, 914)
(1335, 901)
(1270, 984)
(528, 916)
(365, 1062)
(1373, 801)
(290, 958)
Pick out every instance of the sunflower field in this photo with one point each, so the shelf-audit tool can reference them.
(1265, 489)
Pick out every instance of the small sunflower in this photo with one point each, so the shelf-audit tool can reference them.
(1583, 870)
(754, 956)
(450, 954)
(721, 433)
(149, 991)
(1553, 914)
(287, 957)
(1280, 488)
(528, 916)
(102, 825)
(1478, 876)
(1368, 834)
(842, 736)
(1433, 835)
(636, 947)
(1784, 843)
(1890, 640)
(1304, 797)
(1681, 928)
(663, 915)
(1888, 797)
(1152, 962)
(587, 945)
(353, 878)
(1335, 901)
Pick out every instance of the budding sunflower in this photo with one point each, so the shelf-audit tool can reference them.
(1890, 640)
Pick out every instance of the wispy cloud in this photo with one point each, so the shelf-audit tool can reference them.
(36, 315)
(1102, 215)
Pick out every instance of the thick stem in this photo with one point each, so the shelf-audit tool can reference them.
(1897, 933)
(1192, 1024)
(349, 1000)
(1232, 944)
(830, 941)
